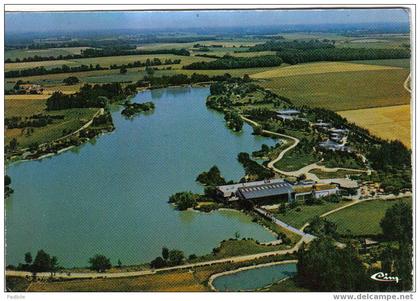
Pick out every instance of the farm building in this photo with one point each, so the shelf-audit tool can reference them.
(303, 192)
(267, 193)
(274, 191)
(230, 192)
(334, 146)
(30, 89)
(288, 114)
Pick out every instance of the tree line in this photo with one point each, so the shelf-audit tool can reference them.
(340, 54)
(90, 96)
(95, 52)
(278, 45)
(180, 79)
(149, 62)
(38, 120)
(230, 62)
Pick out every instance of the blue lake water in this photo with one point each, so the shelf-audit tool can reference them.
(110, 196)
(250, 280)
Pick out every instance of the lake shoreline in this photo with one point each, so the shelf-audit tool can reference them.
(38, 183)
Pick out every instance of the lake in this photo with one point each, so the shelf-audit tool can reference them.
(110, 196)
(253, 279)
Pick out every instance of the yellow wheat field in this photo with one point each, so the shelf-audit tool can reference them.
(386, 122)
(318, 68)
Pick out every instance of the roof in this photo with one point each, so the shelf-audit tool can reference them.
(227, 190)
(321, 187)
(302, 189)
(288, 112)
(342, 182)
(310, 188)
(266, 190)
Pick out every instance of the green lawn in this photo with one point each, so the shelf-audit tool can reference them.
(363, 218)
(341, 173)
(297, 217)
(294, 160)
(344, 90)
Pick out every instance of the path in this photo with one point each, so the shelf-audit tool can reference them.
(304, 170)
(89, 275)
(305, 236)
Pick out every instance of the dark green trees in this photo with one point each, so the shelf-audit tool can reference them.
(43, 262)
(71, 80)
(397, 223)
(211, 177)
(169, 258)
(325, 268)
(184, 200)
(99, 263)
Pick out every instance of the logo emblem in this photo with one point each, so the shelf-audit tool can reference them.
(384, 277)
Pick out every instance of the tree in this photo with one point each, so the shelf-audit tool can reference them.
(28, 258)
(7, 180)
(397, 223)
(71, 80)
(165, 253)
(99, 263)
(158, 262)
(176, 257)
(13, 144)
(149, 71)
(323, 267)
(123, 70)
(119, 263)
(43, 262)
(211, 177)
(184, 200)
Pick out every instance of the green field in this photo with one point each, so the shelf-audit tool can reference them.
(343, 90)
(22, 53)
(298, 217)
(363, 218)
(73, 120)
(107, 61)
(403, 63)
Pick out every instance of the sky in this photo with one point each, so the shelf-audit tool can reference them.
(21, 22)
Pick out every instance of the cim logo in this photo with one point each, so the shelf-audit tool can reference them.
(384, 277)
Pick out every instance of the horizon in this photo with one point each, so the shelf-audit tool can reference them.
(36, 22)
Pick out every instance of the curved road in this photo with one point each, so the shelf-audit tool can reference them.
(89, 275)
(304, 170)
